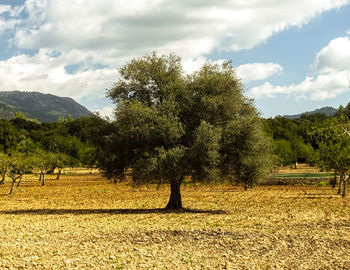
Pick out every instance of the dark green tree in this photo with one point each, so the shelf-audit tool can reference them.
(8, 137)
(284, 152)
(168, 126)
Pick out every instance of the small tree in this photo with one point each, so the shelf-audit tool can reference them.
(18, 165)
(8, 137)
(4, 166)
(28, 164)
(61, 161)
(169, 126)
(44, 161)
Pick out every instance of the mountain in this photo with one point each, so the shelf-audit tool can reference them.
(329, 111)
(44, 107)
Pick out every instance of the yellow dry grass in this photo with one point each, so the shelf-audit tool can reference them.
(86, 222)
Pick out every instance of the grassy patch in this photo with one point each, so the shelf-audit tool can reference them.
(323, 183)
(304, 175)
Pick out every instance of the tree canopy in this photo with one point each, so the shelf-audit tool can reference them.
(169, 126)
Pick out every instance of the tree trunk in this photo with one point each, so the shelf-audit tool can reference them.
(13, 184)
(340, 186)
(245, 186)
(43, 179)
(19, 181)
(175, 197)
(59, 174)
(334, 183)
(296, 165)
(51, 170)
(41, 172)
(345, 185)
(3, 179)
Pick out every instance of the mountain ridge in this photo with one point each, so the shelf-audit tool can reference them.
(36, 105)
(329, 111)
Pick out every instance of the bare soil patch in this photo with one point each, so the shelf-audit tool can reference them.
(86, 222)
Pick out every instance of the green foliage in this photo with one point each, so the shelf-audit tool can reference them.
(323, 183)
(164, 165)
(30, 138)
(20, 115)
(304, 175)
(305, 139)
(19, 164)
(293, 141)
(8, 137)
(205, 152)
(334, 145)
(284, 152)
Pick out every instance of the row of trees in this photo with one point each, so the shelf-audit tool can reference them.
(16, 165)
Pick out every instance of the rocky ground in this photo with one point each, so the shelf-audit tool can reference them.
(86, 222)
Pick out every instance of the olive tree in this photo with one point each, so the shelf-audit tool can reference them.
(19, 164)
(4, 166)
(169, 125)
(61, 161)
(44, 161)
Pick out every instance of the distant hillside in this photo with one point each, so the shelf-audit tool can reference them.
(329, 111)
(44, 107)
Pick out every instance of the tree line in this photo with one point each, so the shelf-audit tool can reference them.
(317, 139)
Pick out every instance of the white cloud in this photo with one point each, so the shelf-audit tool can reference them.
(334, 57)
(321, 87)
(328, 78)
(45, 73)
(6, 25)
(10, 21)
(4, 8)
(107, 111)
(104, 33)
(257, 71)
(190, 28)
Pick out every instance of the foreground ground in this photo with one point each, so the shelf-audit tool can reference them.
(86, 222)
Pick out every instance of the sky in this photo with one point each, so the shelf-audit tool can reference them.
(292, 56)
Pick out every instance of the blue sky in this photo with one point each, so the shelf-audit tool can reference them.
(292, 56)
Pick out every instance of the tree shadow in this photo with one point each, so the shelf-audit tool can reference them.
(108, 211)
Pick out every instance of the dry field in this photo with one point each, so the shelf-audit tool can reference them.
(86, 222)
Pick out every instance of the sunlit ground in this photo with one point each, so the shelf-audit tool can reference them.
(83, 221)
